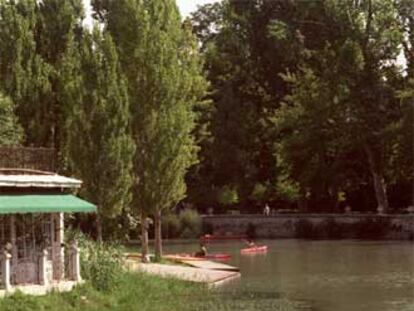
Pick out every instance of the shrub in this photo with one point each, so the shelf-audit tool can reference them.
(190, 222)
(171, 226)
(101, 263)
(228, 196)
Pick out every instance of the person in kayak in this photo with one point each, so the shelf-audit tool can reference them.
(202, 251)
(250, 243)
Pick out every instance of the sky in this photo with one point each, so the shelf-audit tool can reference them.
(185, 6)
(188, 6)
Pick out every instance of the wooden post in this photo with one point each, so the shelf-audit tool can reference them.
(74, 262)
(43, 279)
(60, 245)
(13, 239)
(6, 270)
(58, 255)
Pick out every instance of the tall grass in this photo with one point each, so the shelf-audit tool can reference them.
(134, 292)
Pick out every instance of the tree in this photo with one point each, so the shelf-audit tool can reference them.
(127, 22)
(171, 88)
(34, 37)
(11, 132)
(99, 144)
(161, 62)
(348, 90)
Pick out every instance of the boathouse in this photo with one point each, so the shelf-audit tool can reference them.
(33, 201)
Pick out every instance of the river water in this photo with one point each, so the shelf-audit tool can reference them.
(319, 275)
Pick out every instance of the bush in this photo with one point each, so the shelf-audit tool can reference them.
(228, 196)
(101, 264)
(171, 226)
(190, 222)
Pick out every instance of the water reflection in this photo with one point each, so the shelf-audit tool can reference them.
(320, 275)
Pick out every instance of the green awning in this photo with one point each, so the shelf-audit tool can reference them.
(43, 203)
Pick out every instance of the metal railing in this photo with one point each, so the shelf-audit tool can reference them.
(27, 158)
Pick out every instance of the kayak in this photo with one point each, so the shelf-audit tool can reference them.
(254, 249)
(179, 257)
(217, 256)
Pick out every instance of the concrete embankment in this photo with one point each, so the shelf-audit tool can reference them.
(330, 226)
(210, 274)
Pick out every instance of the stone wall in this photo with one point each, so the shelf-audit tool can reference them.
(313, 226)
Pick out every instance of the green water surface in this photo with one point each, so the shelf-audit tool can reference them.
(317, 275)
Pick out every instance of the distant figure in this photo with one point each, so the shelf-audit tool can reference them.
(250, 243)
(266, 210)
(202, 251)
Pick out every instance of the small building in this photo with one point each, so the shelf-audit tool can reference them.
(33, 201)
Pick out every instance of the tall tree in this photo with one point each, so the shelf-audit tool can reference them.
(127, 22)
(11, 133)
(172, 85)
(165, 83)
(34, 37)
(99, 144)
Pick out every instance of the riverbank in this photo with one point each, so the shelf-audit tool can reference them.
(134, 292)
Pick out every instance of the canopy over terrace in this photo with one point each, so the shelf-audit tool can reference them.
(32, 205)
(43, 203)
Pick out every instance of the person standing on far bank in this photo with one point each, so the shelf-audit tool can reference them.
(266, 210)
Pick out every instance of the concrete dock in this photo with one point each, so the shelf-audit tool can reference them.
(210, 265)
(201, 274)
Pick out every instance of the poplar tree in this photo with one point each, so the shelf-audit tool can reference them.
(127, 22)
(160, 58)
(34, 37)
(99, 146)
(10, 130)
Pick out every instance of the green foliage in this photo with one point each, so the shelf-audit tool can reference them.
(101, 264)
(11, 133)
(259, 191)
(171, 226)
(190, 222)
(34, 37)
(228, 196)
(141, 291)
(187, 224)
(99, 147)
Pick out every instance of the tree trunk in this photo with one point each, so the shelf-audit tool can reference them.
(158, 235)
(98, 222)
(379, 183)
(144, 237)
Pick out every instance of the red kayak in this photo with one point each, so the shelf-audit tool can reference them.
(218, 256)
(254, 249)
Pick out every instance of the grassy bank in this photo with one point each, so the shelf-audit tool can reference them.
(134, 292)
(141, 292)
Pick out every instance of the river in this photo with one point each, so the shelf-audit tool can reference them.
(342, 275)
